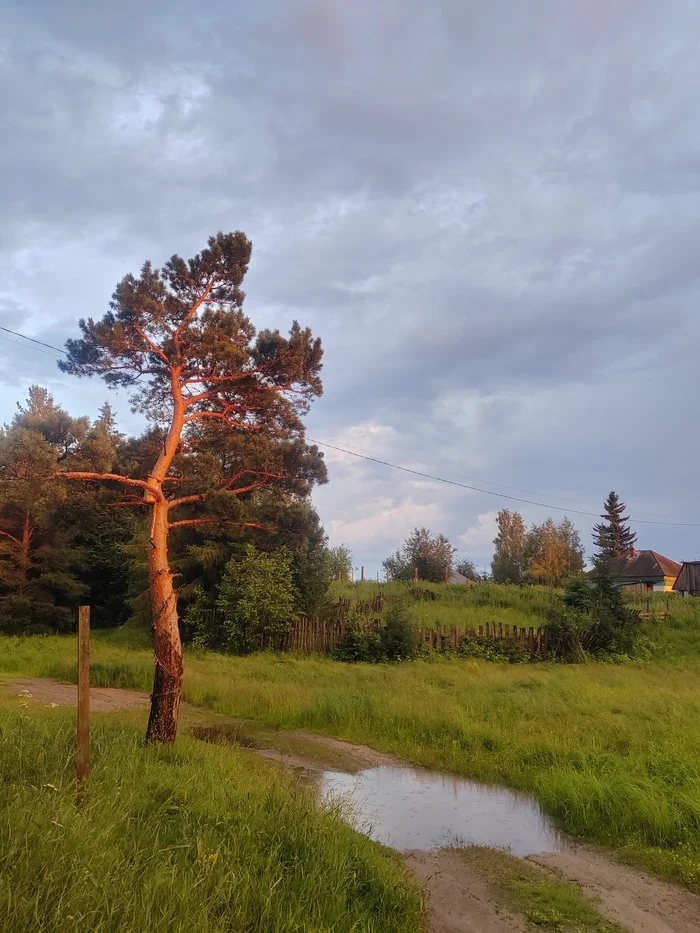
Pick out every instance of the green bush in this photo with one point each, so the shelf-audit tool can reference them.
(257, 599)
(394, 640)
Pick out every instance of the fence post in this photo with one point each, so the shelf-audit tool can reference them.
(83, 756)
(415, 575)
(362, 574)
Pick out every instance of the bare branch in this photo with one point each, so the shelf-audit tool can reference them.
(11, 537)
(219, 521)
(112, 477)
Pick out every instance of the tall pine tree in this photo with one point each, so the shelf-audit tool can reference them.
(612, 536)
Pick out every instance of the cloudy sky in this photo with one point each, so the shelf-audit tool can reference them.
(486, 210)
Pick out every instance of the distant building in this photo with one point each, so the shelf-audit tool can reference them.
(454, 577)
(688, 581)
(646, 572)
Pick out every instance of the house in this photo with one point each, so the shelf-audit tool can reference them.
(646, 572)
(454, 577)
(688, 581)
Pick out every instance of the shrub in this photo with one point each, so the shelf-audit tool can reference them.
(257, 599)
(398, 637)
(394, 640)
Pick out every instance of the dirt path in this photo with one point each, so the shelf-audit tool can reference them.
(635, 900)
(53, 693)
(459, 897)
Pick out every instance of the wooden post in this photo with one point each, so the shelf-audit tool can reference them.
(362, 577)
(415, 575)
(83, 757)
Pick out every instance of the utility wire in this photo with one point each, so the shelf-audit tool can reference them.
(396, 466)
(25, 337)
(18, 344)
(490, 492)
(531, 492)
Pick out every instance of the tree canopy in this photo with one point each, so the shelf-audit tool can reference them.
(226, 405)
(430, 555)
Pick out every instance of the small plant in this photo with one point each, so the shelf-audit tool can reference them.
(257, 599)
(398, 636)
(394, 640)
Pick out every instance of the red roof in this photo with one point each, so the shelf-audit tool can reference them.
(649, 564)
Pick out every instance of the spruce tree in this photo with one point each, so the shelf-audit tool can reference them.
(612, 536)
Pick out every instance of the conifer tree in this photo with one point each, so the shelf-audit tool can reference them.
(226, 404)
(612, 536)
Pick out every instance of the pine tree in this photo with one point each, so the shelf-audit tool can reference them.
(226, 404)
(612, 536)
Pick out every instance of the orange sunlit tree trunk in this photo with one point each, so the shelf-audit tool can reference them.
(229, 405)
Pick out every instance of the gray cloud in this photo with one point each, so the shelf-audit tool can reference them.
(487, 211)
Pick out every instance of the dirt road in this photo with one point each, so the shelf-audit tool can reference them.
(459, 898)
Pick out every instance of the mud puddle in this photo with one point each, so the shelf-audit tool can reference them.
(411, 808)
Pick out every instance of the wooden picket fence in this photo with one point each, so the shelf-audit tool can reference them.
(534, 640)
(321, 636)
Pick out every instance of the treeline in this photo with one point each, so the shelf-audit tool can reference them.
(62, 544)
(548, 554)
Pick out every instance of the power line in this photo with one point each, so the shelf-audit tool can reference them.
(489, 492)
(395, 466)
(18, 344)
(531, 492)
(32, 339)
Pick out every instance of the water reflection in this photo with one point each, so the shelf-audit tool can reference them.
(408, 808)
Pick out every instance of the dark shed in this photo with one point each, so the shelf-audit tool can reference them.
(688, 580)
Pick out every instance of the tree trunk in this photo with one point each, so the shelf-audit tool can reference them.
(24, 549)
(167, 648)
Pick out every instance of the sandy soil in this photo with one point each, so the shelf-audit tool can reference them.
(637, 901)
(458, 897)
(102, 699)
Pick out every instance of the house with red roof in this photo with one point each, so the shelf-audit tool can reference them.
(646, 572)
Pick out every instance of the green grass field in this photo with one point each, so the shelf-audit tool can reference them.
(193, 838)
(183, 838)
(611, 751)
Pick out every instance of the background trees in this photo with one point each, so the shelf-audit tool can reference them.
(509, 562)
(340, 563)
(432, 555)
(549, 553)
(553, 552)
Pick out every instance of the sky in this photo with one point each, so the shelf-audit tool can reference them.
(485, 210)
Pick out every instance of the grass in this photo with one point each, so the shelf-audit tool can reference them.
(548, 902)
(610, 751)
(197, 837)
(460, 605)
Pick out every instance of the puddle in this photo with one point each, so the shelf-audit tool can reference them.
(407, 808)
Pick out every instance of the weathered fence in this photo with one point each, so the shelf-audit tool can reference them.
(319, 635)
(534, 640)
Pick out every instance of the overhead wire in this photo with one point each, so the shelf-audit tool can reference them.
(488, 492)
(32, 340)
(395, 466)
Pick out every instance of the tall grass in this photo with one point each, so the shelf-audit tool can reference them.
(612, 752)
(193, 838)
(525, 606)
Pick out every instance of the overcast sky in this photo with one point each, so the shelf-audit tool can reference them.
(487, 211)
